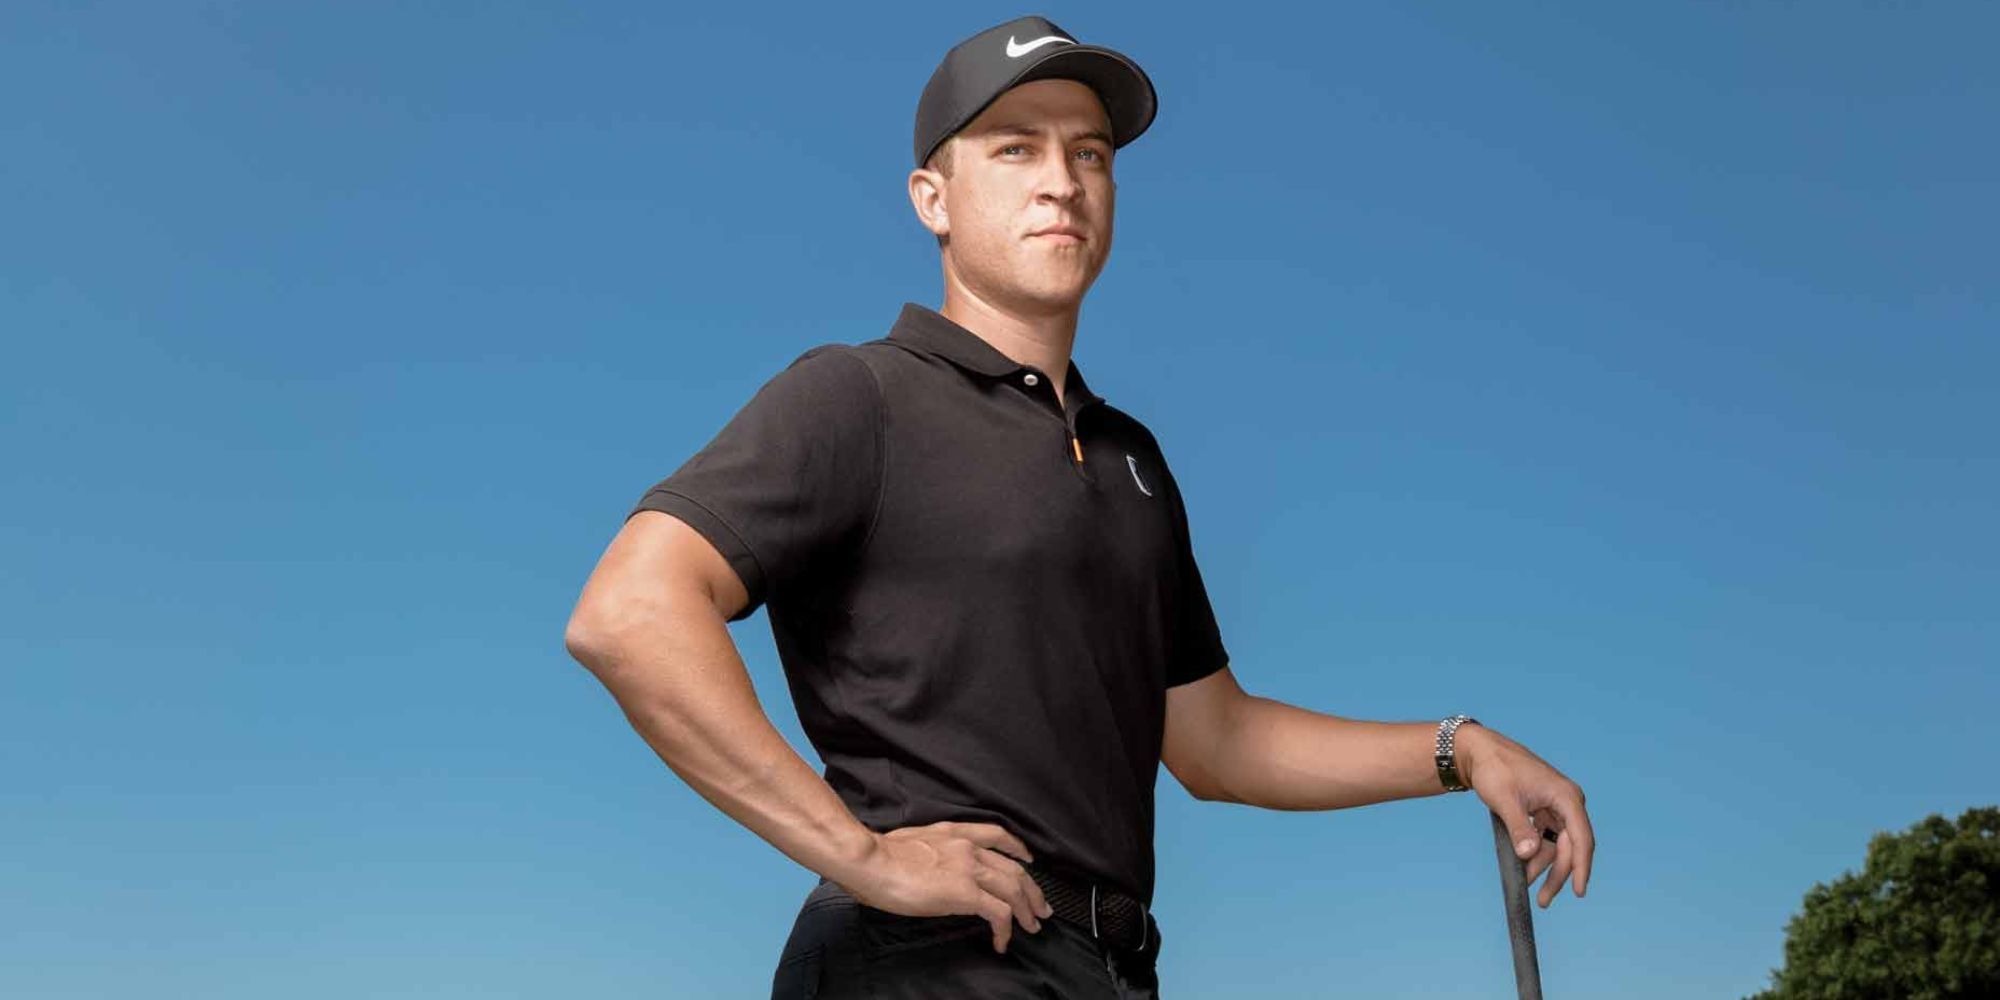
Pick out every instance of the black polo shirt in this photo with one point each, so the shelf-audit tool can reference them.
(979, 595)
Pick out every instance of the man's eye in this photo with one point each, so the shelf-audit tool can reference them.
(1094, 153)
(1017, 145)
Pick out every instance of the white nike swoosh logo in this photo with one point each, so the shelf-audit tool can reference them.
(1133, 464)
(1016, 50)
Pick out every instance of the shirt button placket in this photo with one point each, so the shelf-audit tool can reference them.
(1031, 380)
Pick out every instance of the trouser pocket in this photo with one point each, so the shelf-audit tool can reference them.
(798, 976)
(825, 925)
(883, 932)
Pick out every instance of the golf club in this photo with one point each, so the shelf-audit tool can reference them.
(1520, 919)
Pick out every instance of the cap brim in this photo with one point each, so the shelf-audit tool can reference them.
(1127, 93)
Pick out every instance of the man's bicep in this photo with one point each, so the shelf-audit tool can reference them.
(654, 560)
(702, 543)
(1199, 716)
(683, 554)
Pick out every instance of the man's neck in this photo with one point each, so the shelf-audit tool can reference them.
(1043, 342)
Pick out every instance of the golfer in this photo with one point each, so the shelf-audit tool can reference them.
(981, 586)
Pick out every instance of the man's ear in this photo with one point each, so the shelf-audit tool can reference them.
(927, 196)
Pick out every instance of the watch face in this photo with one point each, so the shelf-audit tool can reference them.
(1447, 757)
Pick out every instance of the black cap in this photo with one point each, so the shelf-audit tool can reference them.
(981, 68)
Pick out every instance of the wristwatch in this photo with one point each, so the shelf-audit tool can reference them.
(1447, 754)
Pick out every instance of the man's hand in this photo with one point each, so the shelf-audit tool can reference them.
(1530, 796)
(947, 868)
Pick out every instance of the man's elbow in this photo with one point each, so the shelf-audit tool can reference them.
(657, 574)
(1198, 781)
(616, 629)
(608, 624)
(581, 641)
(1208, 791)
(588, 641)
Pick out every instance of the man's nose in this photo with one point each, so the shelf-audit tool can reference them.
(1057, 181)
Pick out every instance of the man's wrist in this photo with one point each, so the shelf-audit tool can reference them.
(1467, 743)
(853, 852)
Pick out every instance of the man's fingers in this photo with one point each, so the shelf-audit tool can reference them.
(1008, 888)
(1565, 849)
(1508, 807)
(1000, 916)
(1583, 840)
(1028, 884)
(1545, 855)
(996, 837)
(1582, 877)
(1545, 852)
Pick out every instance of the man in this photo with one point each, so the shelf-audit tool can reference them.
(982, 588)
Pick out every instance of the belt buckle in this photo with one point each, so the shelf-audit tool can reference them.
(1145, 922)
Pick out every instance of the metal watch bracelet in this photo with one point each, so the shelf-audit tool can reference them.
(1447, 753)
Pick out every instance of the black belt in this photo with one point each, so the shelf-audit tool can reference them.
(1109, 915)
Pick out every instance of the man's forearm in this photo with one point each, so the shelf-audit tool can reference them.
(682, 685)
(1280, 756)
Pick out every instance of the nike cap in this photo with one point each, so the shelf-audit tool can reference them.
(978, 70)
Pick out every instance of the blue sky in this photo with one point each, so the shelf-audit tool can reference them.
(1621, 374)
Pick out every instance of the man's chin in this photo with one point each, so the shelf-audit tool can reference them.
(1057, 291)
(1037, 290)
(1059, 299)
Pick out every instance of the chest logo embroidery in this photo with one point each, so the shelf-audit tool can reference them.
(1133, 464)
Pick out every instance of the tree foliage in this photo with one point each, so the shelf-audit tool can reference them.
(1920, 922)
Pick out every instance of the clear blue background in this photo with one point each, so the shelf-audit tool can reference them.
(1621, 374)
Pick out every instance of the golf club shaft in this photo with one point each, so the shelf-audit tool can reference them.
(1520, 919)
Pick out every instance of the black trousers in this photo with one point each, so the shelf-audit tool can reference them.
(841, 948)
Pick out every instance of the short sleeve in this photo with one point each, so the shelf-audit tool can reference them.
(1197, 649)
(791, 480)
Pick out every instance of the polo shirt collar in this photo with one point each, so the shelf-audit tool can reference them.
(933, 332)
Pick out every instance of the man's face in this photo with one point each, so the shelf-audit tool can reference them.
(1038, 157)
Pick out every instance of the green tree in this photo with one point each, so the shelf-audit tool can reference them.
(1920, 922)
